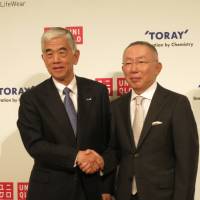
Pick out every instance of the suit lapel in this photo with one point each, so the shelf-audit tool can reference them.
(85, 99)
(158, 101)
(57, 109)
(125, 116)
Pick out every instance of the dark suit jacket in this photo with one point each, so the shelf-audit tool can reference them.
(166, 158)
(49, 138)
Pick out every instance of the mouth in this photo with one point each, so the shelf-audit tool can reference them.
(135, 79)
(58, 68)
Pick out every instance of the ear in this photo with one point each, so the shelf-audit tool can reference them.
(123, 68)
(76, 56)
(158, 68)
(42, 57)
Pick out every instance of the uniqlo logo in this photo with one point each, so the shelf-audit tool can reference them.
(22, 189)
(122, 86)
(77, 32)
(6, 191)
(108, 82)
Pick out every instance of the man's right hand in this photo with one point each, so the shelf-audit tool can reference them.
(89, 161)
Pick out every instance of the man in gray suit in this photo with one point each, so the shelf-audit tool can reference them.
(155, 141)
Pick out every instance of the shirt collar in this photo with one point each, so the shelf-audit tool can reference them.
(147, 94)
(72, 86)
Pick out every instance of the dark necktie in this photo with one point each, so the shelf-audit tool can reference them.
(69, 106)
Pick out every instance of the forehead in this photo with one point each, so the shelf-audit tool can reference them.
(138, 51)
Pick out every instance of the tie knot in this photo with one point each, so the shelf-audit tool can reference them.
(139, 100)
(66, 91)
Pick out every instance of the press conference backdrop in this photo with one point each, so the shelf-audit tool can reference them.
(102, 30)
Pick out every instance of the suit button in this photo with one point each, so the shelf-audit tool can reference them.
(136, 155)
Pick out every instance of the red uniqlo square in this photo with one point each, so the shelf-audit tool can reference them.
(108, 82)
(6, 191)
(122, 86)
(77, 32)
(22, 189)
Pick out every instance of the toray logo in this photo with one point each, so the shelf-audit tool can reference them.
(166, 35)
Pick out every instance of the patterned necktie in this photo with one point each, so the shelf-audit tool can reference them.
(138, 119)
(69, 106)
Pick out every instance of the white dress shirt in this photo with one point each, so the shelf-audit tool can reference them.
(73, 94)
(148, 95)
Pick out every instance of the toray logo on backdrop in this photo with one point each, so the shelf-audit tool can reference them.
(166, 35)
(108, 82)
(13, 90)
(6, 191)
(22, 189)
(77, 32)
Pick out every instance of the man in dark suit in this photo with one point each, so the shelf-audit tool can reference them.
(156, 141)
(65, 144)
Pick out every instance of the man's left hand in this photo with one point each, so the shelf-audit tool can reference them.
(106, 196)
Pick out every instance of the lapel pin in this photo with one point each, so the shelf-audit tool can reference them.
(89, 99)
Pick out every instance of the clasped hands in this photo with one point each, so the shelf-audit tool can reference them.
(89, 161)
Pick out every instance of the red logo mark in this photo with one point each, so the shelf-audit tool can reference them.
(6, 191)
(122, 86)
(108, 82)
(77, 32)
(22, 189)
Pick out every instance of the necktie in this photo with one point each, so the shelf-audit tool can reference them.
(69, 106)
(137, 128)
(138, 119)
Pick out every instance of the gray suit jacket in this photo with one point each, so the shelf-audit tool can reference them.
(166, 158)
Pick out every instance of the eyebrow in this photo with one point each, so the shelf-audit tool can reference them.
(140, 57)
(60, 49)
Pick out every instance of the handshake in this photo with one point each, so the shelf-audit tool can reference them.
(89, 161)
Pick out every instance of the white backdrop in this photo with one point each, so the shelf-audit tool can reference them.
(108, 27)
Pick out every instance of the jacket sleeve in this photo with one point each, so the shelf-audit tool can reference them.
(41, 149)
(186, 149)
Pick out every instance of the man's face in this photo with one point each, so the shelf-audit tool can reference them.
(140, 67)
(59, 59)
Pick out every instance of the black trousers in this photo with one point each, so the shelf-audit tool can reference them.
(79, 193)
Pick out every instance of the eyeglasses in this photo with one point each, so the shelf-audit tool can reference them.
(139, 63)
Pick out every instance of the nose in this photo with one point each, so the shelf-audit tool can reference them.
(134, 67)
(56, 58)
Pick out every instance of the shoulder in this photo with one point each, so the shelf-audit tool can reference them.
(170, 93)
(122, 99)
(85, 82)
(38, 89)
(172, 96)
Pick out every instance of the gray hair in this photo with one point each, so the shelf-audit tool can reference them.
(144, 43)
(55, 32)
